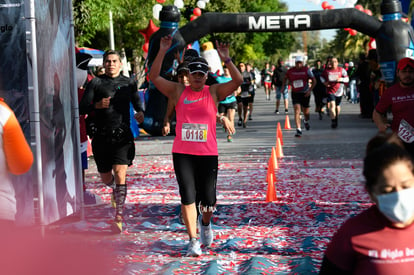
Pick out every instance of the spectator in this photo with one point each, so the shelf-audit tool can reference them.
(16, 158)
(363, 74)
(353, 91)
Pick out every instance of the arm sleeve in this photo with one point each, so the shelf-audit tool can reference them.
(19, 156)
(135, 98)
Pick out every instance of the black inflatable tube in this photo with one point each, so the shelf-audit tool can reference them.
(280, 22)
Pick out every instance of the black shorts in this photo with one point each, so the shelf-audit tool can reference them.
(247, 100)
(197, 178)
(107, 154)
(223, 107)
(238, 99)
(301, 99)
(337, 99)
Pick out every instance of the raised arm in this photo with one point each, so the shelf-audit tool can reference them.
(166, 87)
(224, 89)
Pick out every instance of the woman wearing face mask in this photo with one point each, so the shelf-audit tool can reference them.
(380, 240)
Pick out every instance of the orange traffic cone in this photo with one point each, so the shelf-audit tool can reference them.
(279, 150)
(279, 133)
(287, 123)
(273, 159)
(271, 190)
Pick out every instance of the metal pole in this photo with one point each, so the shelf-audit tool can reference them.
(35, 112)
(111, 32)
(76, 118)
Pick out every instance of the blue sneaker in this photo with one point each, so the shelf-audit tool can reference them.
(194, 248)
(206, 233)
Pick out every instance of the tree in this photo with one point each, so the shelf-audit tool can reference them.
(267, 46)
(347, 47)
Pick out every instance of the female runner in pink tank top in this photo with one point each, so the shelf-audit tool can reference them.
(195, 155)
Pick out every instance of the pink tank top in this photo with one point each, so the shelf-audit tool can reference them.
(196, 123)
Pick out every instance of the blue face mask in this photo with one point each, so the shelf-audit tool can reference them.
(398, 206)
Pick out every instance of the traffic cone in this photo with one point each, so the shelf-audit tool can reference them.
(279, 133)
(271, 190)
(287, 123)
(273, 159)
(279, 150)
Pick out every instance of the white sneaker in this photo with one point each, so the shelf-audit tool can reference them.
(194, 248)
(206, 233)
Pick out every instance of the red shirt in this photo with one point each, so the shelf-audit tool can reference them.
(331, 76)
(367, 244)
(298, 78)
(401, 101)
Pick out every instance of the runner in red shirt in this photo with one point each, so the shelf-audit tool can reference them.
(298, 77)
(399, 98)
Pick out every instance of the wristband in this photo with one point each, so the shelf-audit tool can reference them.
(221, 119)
(227, 60)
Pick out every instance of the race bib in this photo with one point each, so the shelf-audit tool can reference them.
(298, 84)
(332, 77)
(194, 132)
(406, 131)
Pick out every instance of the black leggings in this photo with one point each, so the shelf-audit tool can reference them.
(197, 178)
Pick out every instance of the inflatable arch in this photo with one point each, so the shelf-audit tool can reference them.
(394, 37)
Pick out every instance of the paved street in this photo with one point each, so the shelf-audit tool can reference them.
(318, 186)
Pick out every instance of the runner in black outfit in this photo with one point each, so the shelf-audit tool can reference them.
(107, 101)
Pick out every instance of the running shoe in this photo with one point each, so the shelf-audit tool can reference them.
(286, 111)
(277, 112)
(250, 118)
(298, 133)
(320, 115)
(307, 125)
(229, 138)
(239, 123)
(244, 124)
(116, 226)
(206, 233)
(194, 248)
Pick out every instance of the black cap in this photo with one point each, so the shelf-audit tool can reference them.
(198, 65)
